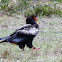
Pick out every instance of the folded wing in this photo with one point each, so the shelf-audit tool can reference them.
(23, 33)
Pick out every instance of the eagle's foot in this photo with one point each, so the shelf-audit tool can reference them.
(35, 48)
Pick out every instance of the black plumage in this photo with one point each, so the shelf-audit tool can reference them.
(24, 35)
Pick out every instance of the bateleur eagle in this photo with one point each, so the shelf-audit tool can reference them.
(24, 35)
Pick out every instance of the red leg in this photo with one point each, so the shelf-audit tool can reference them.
(22, 49)
(35, 48)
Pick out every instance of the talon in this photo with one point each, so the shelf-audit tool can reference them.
(35, 48)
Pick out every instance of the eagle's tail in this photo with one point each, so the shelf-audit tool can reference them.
(4, 39)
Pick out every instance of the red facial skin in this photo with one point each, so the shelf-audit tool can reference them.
(35, 18)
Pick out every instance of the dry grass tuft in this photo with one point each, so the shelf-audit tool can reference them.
(4, 25)
(6, 55)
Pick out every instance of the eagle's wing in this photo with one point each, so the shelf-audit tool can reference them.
(22, 34)
(22, 28)
(28, 30)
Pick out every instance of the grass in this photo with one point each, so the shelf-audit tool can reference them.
(49, 39)
(26, 7)
(57, 1)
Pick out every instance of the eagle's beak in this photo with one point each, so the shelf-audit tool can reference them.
(36, 19)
